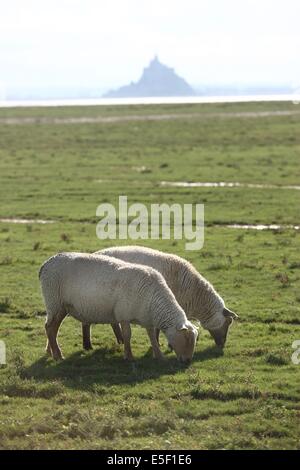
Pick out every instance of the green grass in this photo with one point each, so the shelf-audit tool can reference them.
(246, 398)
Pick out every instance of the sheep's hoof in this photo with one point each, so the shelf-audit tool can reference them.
(129, 358)
(58, 357)
(87, 347)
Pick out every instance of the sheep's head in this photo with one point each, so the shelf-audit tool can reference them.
(220, 334)
(183, 342)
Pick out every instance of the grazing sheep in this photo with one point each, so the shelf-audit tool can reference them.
(193, 292)
(100, 289)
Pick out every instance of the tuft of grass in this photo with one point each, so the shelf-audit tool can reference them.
(218, 266)
(240, 237)
(39, 313)
(276, 359)
(294, 265)
(284, 279)
(65, 237)
(5, 305)
(130, 409)
(17, 387)
(219, 393)
(156, 425)
(6, 261)
(22, 314)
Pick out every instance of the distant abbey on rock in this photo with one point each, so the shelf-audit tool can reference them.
(157, 80)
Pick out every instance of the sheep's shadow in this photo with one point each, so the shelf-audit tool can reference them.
(82, 370)
(211, 352)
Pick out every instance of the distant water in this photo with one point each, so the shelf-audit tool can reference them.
(228, 184)
(149, 100)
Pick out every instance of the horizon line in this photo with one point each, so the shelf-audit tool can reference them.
(294, 98)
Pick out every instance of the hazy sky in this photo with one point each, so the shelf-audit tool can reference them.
(107, 43)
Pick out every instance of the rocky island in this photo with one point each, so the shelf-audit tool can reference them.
(157, 80)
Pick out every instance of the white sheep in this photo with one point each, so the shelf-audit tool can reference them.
(193, 292)
(100, 289)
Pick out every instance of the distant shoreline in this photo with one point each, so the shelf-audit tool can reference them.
(148, 101)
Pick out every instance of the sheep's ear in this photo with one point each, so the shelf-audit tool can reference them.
(229, 314)
(180, 328)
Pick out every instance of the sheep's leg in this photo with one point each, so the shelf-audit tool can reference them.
(48, 349)
(86, 336)
(51, 331)
(126, 330)
(152, 333)
(118, 332)
(157, 331)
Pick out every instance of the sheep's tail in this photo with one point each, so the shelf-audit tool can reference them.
(48, 262)
(41, 270)
(50, 286)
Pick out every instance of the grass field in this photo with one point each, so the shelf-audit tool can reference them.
(246, 398)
